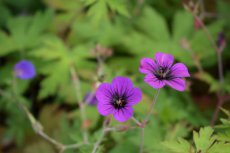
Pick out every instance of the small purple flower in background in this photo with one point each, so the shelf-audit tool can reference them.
(90, 98)
(117, 98)
(221, 42)
(161, 71)
(24, 70)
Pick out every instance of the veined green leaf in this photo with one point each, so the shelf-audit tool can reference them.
(204, 139)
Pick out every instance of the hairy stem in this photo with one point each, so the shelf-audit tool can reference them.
(217, 110)
(151, 107)
(196, 59)
(97, 144)
(104, 131)
(220, 68)
(220, 101)
(142, 125)
(142, 140)
(77, 86)
(136, 121)
(36, 125)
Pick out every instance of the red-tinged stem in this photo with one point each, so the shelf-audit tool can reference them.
(217, 110)
(220, 69)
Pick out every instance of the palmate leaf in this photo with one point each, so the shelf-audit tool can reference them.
(204, 139)
(202, 45)
(220, 147)
(18, 126)
(225, 127)
(98, 11)
(56, 66)
(106, 34)
(57, 75)
(25, 32)
(119, 7)
(152, 35)
(65, 14)
(153, 25)
(205, 142)
(182, 25)
(179, 146)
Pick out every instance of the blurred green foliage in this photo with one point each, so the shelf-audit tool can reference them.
(56, 35)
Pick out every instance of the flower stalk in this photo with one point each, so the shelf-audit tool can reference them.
(103, 133)
(152, 106)
(77, 86)
(218, 50)
(36, 125)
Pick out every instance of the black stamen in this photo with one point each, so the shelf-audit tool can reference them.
(163, 73)
(119, 101)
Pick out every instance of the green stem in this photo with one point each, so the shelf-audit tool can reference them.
(152, 106)
(77, 86)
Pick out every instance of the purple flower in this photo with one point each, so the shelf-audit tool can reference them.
(24, 70)
(117, 98)
(161, 71)
(90, 98)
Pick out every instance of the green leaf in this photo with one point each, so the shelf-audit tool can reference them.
(204, 139)
(5, 13)
(202, 45)
(153, 25)
(57, 59)
(25, 32)
(179, 146)
(220, 147)
(58, 75)
(98, 11)
(118, 6)
(182, 25)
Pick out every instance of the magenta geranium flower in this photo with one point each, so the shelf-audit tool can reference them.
(24, 70)
(161, 71)
(118, 98)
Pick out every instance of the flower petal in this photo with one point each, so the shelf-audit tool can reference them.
(90, 98)
(153, 81)
(123, 114)
(177, 83)
(134, 97)
(179, 70)
(24, 70)
(163, 59)
(147, 65)
(105, 109)
(122, 85)
(104, 93)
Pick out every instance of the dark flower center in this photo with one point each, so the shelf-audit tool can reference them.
(119, 101)
(163, 73)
